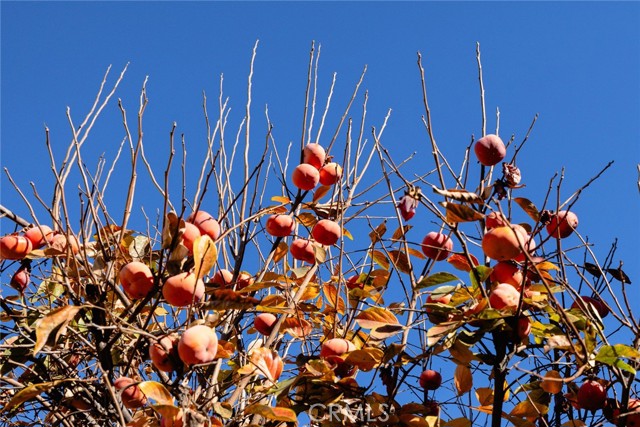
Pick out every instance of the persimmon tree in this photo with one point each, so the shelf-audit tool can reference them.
(315, 282)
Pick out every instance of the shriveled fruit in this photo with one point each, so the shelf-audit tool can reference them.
(430, 379)
(503, 243)
(490, 150)
(507, 272)
(305, 177)
(205, 223)
(436, 246)
(314, 155)
(136, 279)
(183, 289)
(503, 296)
(330, 173)
(164, 353)
(407, 206)
(592, 395)
(264, 322)
(280, 225)
(39, 236)
(326, 232)
(562, 224)
(131, 395)
(20, 279)
(302, 249)
(14, 246)
(198, 345)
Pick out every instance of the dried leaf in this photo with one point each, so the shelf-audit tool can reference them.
(458, 422)
(463, 379)
(30, 392)
(485, 396)
(307, 219)
(460, 213)
(321, 192)
(592, 269)
(55, 321)
(529, 409)
(281, 199)
(528, 206)
(227, 299)
(400, 261)
(459, 195)
(205, 255)
(156, 391)
(401, 232)
(365, 359)
(297, 327)
(276, 413)
(619, 275)
(375, 317)
(550, 383)
(436, 333)
(377, 234)
(460, 262)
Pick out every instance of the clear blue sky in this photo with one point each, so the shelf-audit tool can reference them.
(577, 64)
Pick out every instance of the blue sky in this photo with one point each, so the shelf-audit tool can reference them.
(577, 64)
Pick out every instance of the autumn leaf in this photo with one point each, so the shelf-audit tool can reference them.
(380, 259)
(529, 409)
(296, 327)
(485, 396)
(227, 299)
(281, 199)
(30, 392)
(321, 192)
(274, 413)
(55, 321)
(457, 422)
(528, 206)
(366, 358)
(436, 333)
(460, 262)
(376, 235)
(400, 261)
(463, 379)
(307, 219)
(156, 391)
(460, 195)
(460, 213)
(205, 255)
(551, 383)
(374, 317)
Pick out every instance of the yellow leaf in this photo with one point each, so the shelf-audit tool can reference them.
(528, 409)
(30, 392)
(365, 359)
(485, 396)
(55, 321)
(272, 413)
(156, 391)
(458, 422)
(281, 199)
(205, 255)
(380, 259)
(375, 317)
(463, 379)
(550, 383)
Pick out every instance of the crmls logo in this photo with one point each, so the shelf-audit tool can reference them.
(350, 413)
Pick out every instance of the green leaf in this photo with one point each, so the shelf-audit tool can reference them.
(436, 279)
(483, 274)
(611, 354)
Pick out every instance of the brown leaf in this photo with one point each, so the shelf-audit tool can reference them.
(55, 321)
(375, 317)
(227, 299)
(321, 192)
(619, 275)
(272, 413)
(307, 219)
(377, 234)
(463, 379)
(365, 359)
(459, 195)
(592, 269)
(297, 327)
(460, 213)
(460, 262)
(205, 255)
(400, 261)
(401, 232)
(485, 396)
(528, 206)
(550, 383)
(30, 392)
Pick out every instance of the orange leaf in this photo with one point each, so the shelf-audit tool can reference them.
(276, 413)
(156, 391)
(460, 262)
(55, 321)
(550, 383)
(463, 379)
